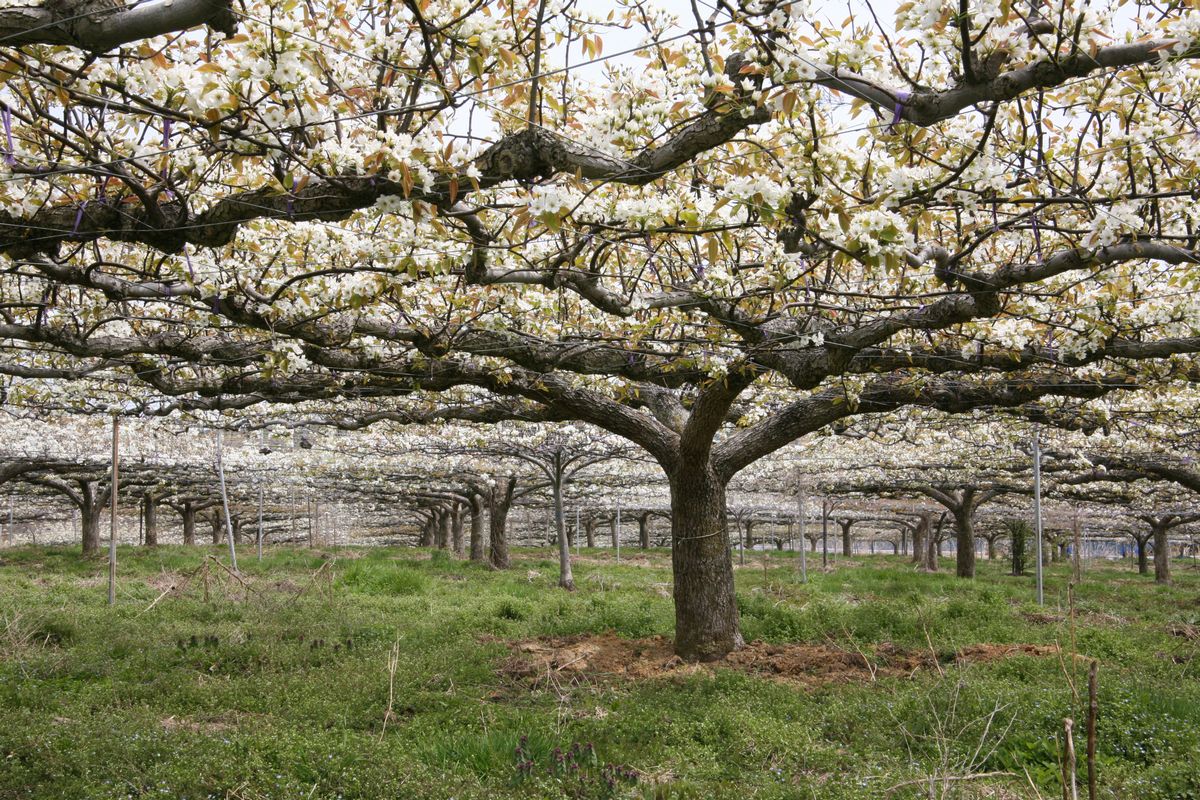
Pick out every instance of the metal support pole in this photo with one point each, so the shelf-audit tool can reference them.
(803, 543)
(617, 533)
(1037, 511)
(112, 524)
(824, 533)
(225, 498)
(741, 542)
(258, 542)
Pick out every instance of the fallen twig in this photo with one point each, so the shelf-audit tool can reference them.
(951, 778)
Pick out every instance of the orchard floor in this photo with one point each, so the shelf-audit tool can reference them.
(865, 682)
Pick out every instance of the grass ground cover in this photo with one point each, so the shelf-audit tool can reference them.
(378, 673)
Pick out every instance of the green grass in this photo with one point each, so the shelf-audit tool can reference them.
(280, 691)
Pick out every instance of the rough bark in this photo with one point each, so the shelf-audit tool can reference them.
(109, 25)
(443, 529)
(566, 578)
(847, 540)
(964, 531)
(476, 527)
(1143, 566)
(218, 530)
(501, 501)
(919, 548)
(456, 529)
(644, 531)
(428, 528)
(150, 512)
(188, 516)
(589, 529)
(706, 616)
(89, 514)
(1162, 555)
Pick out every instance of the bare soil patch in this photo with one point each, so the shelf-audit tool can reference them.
(808, 665)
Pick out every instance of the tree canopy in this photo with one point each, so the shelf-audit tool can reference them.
(757, 224)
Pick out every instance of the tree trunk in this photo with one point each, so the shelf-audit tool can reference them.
(644, 531)
(476, 528)
(456, 529)
(1143, 568)
(443, 529)
(964, 530)
(427, 530)
(612, 531)
(589, 529)
(566, 579)
(217, 529)
(706, 615)
(918, 543)
(847, 542)
(236, 524)
(89, 514)
(1162, 556)
(991, 549)
(188, 515)
(501, 501)
(151, 514)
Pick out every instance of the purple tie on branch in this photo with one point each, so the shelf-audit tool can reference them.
(79, 216)
(6, 114)
(188, 260)
(898, 111)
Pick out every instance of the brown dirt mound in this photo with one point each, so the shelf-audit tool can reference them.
(587, 655)
(977, 653)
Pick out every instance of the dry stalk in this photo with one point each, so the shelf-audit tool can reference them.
(1069, 790)
(933, 651)
(393, 664)
(870, 667)
(312, 579)
(949, 779)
